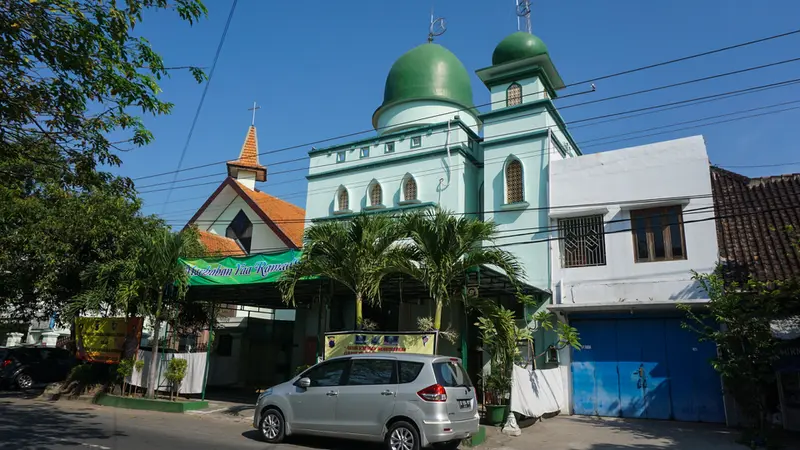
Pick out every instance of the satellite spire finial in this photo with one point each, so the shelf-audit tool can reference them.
(524, 13)
(436, 28)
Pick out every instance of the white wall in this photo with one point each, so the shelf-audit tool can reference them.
(445, 180)
(621, 180)
(219, 214)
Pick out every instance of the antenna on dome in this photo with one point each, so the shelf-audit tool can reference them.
(436, 28)
(524, 13)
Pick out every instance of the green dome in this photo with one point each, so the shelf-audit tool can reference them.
(519, 45)
(427, 72)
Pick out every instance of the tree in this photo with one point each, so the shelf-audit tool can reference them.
(442, 248)
(51, 230)
(176, 371)
(738, 318)
(71, 73)
(156, 270)
(354, 253)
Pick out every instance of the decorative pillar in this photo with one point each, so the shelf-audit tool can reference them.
(50, 338)
(13, 339)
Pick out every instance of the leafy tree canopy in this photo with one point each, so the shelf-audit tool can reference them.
(71, 72)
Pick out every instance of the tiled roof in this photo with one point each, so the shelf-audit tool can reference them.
(289, 218)
(248, 156)
(752, 217)
(220, 245)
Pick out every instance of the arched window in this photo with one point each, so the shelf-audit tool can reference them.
(514, 185)
(514, 95)
(409, 189)
(375, 194)
(343, 199)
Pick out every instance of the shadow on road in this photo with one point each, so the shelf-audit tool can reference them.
(319, 443)
(40, 425)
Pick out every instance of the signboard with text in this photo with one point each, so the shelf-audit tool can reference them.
(356, 342)
(106, 340)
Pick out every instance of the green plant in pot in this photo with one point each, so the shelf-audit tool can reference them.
(501, 337)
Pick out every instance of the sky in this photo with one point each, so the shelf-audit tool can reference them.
(317, 69)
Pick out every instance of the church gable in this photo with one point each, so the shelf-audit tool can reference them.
(256, 221)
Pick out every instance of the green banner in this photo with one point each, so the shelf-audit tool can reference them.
(239, 270)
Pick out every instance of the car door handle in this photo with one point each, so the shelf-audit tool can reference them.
(332, 394)
(387, 392)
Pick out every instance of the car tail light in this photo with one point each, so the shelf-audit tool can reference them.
(435, 393)
(5, 363)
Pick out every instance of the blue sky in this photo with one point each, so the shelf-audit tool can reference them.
(318, 70)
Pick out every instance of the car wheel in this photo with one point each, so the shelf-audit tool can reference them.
(449, 445)
(402, 436)
(272, 426)
(24, 381)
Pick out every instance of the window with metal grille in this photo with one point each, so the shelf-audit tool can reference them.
(514, 95)
(514, 188)
(582, 241)
(658, 234)
(344, 200)
(410, 189)
(375, 195)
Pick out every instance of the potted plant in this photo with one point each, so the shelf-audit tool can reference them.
(496, 386)
(501, 337)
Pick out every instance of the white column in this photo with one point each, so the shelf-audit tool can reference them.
(50, 338)
(13, 339)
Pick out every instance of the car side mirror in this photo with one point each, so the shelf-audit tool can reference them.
(303, 382)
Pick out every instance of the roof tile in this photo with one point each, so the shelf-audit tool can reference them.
(752, 217)
(289, 218)
(220, 245)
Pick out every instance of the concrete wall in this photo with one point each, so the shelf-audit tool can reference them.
(612, 184)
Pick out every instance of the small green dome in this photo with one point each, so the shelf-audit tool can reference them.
(427, 72)
(519, 45)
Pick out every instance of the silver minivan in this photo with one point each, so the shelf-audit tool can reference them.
(407, 401)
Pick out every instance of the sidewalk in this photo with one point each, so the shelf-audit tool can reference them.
(594, 433)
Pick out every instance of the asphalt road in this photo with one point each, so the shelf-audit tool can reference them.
(38, 424)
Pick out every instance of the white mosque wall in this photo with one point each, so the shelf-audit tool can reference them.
(532, 90)
(424, 112)
(450, 181)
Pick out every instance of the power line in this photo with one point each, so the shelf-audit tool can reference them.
(585, 146)
(723, 49)
(203, 96)
(687, 58)
(550, 229)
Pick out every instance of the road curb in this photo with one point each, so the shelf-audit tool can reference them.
(148, 404)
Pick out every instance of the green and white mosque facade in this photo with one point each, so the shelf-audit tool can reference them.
(433, 146)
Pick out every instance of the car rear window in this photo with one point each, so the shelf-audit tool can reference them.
(451, 374)
(409, 371)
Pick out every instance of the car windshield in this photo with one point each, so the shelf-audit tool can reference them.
(451, 374)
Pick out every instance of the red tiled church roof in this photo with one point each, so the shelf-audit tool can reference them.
(287, 217)
(752, 217)
(217, 245)
(283, 218)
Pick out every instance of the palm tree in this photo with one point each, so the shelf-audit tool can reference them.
(157, 268)
(355, 253)
(442, 248)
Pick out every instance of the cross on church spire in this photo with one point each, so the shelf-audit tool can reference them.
(254, 109)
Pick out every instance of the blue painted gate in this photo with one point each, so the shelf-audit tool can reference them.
(644, 368)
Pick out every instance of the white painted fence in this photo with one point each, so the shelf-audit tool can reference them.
(192, 383)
